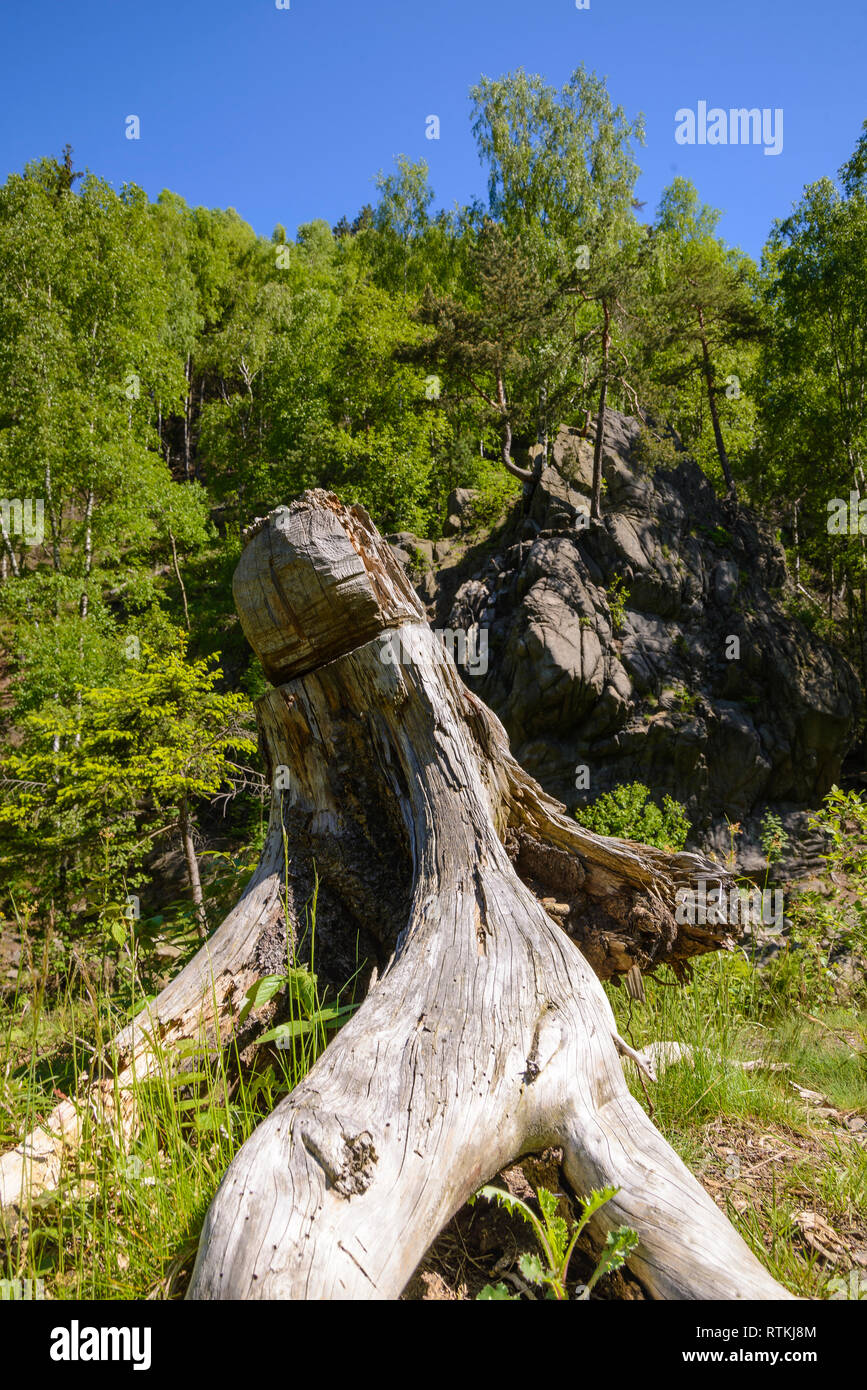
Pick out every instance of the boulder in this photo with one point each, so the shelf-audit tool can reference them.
(610, 642)
(459, 510)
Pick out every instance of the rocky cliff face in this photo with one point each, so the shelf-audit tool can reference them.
(652, 646)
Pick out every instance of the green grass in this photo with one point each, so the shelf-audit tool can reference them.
(727, 1014)
(126, 1219)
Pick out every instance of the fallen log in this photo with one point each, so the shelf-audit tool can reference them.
(486, 918)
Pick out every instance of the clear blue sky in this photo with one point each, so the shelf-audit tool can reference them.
(287, 115)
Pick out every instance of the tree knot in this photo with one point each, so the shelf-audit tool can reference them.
(348, 1160)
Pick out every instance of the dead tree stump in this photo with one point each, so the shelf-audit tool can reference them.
(485, 1033)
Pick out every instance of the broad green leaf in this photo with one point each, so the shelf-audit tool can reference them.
(286, 1031)
(531, 1267)
(301, 985)
(260, 993)
(211, 1119)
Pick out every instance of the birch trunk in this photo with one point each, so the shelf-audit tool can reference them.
(186, 829)
(710, 385)
(596, 498)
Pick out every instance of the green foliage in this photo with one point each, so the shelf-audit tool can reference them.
(628, 813)
(557, 1242)
(718, 534)
(304, 1033)
(684, 700)
(656, 450)
(401, 220)
(773, 838)
(95, 780)
(828, 927)
(496, 493)
(498, 1293)
(562, 161)
(617, 594)
(300, 988)
(814, 405)
(697, 343)
(126, 1217)
(166, 375)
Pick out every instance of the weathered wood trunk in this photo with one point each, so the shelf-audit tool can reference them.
(485, 1032)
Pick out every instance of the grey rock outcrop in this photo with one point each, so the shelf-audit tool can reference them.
(652, 646)
(459, 510)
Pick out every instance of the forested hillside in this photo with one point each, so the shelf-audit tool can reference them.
(167, 377)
